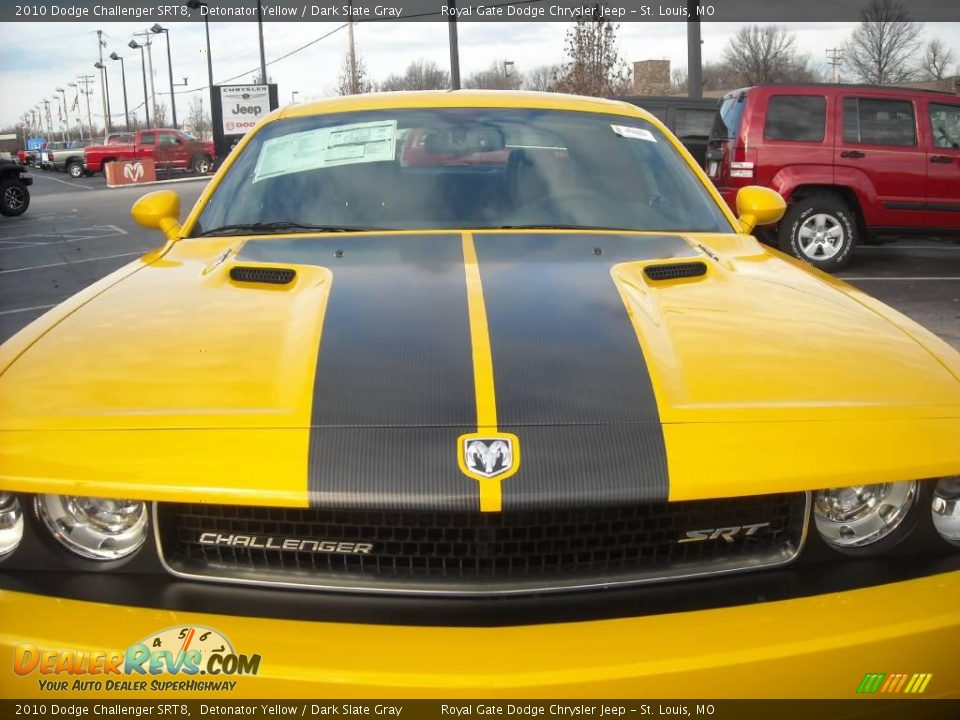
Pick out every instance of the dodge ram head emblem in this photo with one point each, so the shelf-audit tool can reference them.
(488, 457)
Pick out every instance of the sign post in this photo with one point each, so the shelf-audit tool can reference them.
(235, 109)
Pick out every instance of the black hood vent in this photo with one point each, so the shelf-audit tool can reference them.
(675, 271)
(269, 275)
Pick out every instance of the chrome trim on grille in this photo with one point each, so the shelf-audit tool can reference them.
(358, 584)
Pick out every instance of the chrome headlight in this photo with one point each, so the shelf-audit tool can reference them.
(95, 528)
(946, 509)
(857, 516)
(11, 523)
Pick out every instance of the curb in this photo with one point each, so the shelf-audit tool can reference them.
(161, 182)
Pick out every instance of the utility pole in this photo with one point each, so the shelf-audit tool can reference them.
(146, 43)
(104, 83)
(86, 80)
(354, 89)
(694, 66)
(263, 55)
(454, 45)
(835, 59)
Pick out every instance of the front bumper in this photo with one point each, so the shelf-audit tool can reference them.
(818, 646)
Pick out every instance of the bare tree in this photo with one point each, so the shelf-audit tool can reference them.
(419, 75)
(764, 54)
(501, 75)
(541, 79)
(198, 122)
(158, 117)
(882, 49)
(593, 65)
(344, 84)
(937, 60)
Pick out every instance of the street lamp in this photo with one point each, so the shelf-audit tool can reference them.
(66, 110)
(195, 5)
(134, 45)
(158, 28)
(123, 75)
(507, 65)
(293, 96)
(106, 80)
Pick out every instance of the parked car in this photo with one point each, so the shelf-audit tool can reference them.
(70, 159)
(169, 149)
(688, 118)
(14, 195)
(854, 162)
(461, 388)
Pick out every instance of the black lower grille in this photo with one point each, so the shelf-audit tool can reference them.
(440, 551)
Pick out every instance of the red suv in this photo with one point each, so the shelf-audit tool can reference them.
(853, 162)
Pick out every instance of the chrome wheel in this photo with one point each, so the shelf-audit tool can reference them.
(202, 165)
(76, 170)
(821, 236)
(14, 198)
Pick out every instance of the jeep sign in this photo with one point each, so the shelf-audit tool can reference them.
(243, 106)
(236, 109)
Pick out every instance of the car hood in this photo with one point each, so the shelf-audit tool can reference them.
(356, 379)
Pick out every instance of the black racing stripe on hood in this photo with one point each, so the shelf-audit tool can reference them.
(393, 387)
(571, 379)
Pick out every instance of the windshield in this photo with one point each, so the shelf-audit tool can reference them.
(462, 168)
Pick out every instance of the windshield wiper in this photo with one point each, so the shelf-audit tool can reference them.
(280, 226)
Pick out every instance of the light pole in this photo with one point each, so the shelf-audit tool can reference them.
(263, 57)
(66, 110)
(134, 45)
(195, 5)
(123, 76)
(106, 81)
(158, 28)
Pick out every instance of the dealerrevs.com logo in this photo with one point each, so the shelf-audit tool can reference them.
(187, 652)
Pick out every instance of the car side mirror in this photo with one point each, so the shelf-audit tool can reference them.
(758, 205)
(159, 210)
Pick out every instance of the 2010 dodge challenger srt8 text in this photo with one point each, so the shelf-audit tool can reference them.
(466, 394)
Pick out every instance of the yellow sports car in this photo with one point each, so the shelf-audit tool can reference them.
(471, 394)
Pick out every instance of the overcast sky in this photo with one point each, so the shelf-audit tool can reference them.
(36, 58)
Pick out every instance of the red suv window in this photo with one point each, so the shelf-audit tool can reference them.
(872, 121)
(801, 118)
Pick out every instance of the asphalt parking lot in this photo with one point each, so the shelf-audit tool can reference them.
(77, 231)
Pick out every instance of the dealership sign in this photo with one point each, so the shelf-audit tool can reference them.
(236, 109)
(243, 106)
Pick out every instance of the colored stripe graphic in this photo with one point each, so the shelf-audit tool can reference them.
(871, 683)
(894, 683)
(491, 495)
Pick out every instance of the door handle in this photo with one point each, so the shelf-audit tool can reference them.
(855, 154)
(942, 159)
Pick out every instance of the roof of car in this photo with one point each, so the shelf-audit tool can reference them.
(845, 86)
(460, 98)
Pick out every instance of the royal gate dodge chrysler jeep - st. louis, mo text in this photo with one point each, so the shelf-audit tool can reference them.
(460, 393)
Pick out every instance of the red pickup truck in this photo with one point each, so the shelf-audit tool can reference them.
(169, 149)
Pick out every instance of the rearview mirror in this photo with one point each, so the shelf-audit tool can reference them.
(758, 205)
(159, 210)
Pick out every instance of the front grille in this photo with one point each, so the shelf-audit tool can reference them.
(460, 552)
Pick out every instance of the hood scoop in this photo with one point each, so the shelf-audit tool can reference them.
(675, 271)
(268, 275)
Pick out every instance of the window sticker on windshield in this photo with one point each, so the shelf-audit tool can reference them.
(633, 133)
(327, 147)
